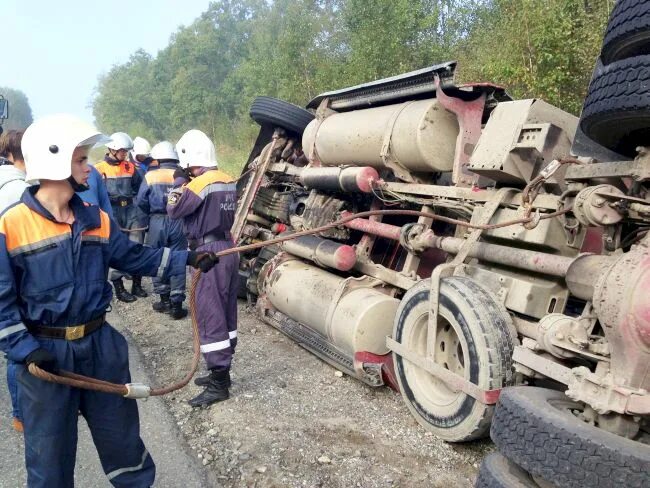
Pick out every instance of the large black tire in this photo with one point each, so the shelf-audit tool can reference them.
(498, 472)
(278, 113)
(536, 429)
(475, 332)
(628, 31)
(616, 112)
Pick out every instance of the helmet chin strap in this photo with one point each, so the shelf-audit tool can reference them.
(77, 187)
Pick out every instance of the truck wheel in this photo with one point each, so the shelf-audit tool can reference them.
(475, 339)
(616, 113)
(628, 31)
(278, 113)
(498, 472)
(537, 429)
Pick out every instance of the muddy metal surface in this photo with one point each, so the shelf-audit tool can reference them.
(293, 420)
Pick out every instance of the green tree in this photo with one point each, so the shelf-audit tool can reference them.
(537, 49)
(20, 112)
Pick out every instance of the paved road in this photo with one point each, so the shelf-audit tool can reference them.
(174, 466)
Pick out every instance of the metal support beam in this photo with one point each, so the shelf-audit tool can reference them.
(454, 381)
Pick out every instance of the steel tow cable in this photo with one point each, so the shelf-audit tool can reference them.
(137, 390)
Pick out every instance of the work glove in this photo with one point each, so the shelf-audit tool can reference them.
(203, 261)
(44, 359)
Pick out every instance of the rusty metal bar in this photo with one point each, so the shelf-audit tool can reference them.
(537, 262)
(371, 227)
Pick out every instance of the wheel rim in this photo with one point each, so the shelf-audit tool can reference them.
(450, 352)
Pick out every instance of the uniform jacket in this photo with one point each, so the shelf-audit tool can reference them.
(207, 204)
(55, 274)
(96, 193)
(152, 197)
(122, 178)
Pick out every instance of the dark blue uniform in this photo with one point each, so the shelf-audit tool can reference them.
(163, 230)
(54, 274)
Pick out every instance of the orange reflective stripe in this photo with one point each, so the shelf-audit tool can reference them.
(163, 176)
(102, 233)
(208, 178)
(122, 170)
(26, 230)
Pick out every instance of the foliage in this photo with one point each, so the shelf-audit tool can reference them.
(211, 70)
(20, 112)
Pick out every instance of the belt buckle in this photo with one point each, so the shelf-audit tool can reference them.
(74, 333)
(122, 203)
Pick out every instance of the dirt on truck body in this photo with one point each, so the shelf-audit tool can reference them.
(487, 256)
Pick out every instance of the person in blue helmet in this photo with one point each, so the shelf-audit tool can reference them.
(55, 252)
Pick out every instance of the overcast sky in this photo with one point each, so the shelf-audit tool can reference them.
(54, 50)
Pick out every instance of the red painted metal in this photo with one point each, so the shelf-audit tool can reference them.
(469, 115)
(371, 227)
(387, 366)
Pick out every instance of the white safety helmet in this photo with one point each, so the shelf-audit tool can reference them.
(120, 140)
(49, 142)
(163, 150)
(141, 147)
(195, 149)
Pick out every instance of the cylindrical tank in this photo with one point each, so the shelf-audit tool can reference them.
(422, 136)
(340, 179)
(322, 252)
(358, 320)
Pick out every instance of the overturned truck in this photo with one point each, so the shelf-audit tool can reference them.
(518, 263)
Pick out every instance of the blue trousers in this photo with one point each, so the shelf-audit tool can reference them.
(166, 232)
(216, 307)
(12, 385)
(129, 217)
(51, 415)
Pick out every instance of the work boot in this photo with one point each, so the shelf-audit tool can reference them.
(215, 391)
(204, 380)
(164, 305)
(178, 312)
(120, 292)
(136, 288)
(17, 424)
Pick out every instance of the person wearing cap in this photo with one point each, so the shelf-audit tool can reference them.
(123, 180)
(207, 206)
(163, 231)
(55, 251)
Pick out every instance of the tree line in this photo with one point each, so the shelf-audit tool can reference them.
(211, 70)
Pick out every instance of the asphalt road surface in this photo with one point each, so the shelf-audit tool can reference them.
(174, 465)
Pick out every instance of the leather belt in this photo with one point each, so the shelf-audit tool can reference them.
(121, 201)
(208, 238)
(71, 333)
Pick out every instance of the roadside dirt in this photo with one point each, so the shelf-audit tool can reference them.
(292, 420)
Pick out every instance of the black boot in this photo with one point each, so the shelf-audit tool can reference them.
(120, 292)
(178, 312)
(204, 380)
(215, 391)
(136, 288)
(164, 305)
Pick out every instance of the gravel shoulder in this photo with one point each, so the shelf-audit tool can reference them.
(291, 420)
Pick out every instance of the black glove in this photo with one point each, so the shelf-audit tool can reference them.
(204, 261)
(44, 359)
(181, 173)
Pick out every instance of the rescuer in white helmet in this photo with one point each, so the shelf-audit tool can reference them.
(55, 251)
(123, 181)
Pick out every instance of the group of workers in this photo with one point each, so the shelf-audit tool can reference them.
(63, 226)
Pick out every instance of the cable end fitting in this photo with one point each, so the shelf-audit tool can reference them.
(137, 390)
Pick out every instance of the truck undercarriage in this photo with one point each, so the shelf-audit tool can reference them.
(472, 251)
